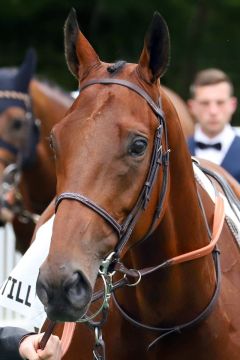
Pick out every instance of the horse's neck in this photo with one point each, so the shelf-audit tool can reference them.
(49, 105)
(39, 181)
(181, 230)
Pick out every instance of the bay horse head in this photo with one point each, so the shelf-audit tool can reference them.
(108, 149)
(16, 129)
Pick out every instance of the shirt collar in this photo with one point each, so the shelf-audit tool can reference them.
(224, 137)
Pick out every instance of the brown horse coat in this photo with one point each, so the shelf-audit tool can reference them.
(103, 149)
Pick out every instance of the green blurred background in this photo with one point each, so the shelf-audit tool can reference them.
(204, 33)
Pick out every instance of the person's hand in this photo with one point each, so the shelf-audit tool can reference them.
(28, 348)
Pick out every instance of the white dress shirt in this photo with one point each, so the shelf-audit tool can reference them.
(226, 138)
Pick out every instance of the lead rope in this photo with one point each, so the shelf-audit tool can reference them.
(67, 335)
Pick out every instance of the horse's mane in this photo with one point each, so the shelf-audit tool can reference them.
(52, 90)
(116, 67)
(52, 86)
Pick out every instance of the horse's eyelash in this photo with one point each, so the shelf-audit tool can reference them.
(50, 141)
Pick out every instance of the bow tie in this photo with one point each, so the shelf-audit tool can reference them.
(203, 146)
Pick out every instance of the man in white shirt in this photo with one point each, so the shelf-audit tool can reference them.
(212, 104)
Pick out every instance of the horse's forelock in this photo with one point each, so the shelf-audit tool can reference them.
(116, 67)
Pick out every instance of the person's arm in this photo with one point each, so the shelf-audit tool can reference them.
(29, 348)
(18, 344)
(9, 342)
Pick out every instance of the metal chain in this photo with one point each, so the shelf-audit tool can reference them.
(99, 347)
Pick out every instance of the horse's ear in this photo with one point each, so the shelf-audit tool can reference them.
(26, 70)
(155, 54)
(80, 55)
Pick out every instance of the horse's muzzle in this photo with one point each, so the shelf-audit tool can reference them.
(68, 301)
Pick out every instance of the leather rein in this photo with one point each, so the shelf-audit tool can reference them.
(112, 263)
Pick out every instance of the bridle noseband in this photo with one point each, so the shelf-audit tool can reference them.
(159, 158)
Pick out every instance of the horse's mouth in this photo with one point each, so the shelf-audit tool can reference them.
(65, 314)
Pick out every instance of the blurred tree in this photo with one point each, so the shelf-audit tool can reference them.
(203, 34)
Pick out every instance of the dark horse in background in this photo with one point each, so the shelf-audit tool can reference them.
(126, 204)
(28, 110)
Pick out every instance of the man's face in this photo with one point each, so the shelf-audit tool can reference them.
(213, 107)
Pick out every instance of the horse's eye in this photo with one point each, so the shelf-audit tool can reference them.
(52, 144)
(138, 146)
(17, 124)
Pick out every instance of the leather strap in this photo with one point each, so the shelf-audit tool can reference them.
(129, 85)
(218, 221)
(178, 328)
(84, 200)
(67, 335)
(219, 216)
(68, 332)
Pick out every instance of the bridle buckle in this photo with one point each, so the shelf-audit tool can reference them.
(105, 267)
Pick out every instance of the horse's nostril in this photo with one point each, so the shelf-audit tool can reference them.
(42, 293)
(68, 298)
(77, 289)
(75, 285)
(74, 281)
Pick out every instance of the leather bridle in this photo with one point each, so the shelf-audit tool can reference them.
(25, 155)
(159, 158)
(112, 263)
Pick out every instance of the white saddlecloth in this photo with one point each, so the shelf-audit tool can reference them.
(18, 292)
(207, 185)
